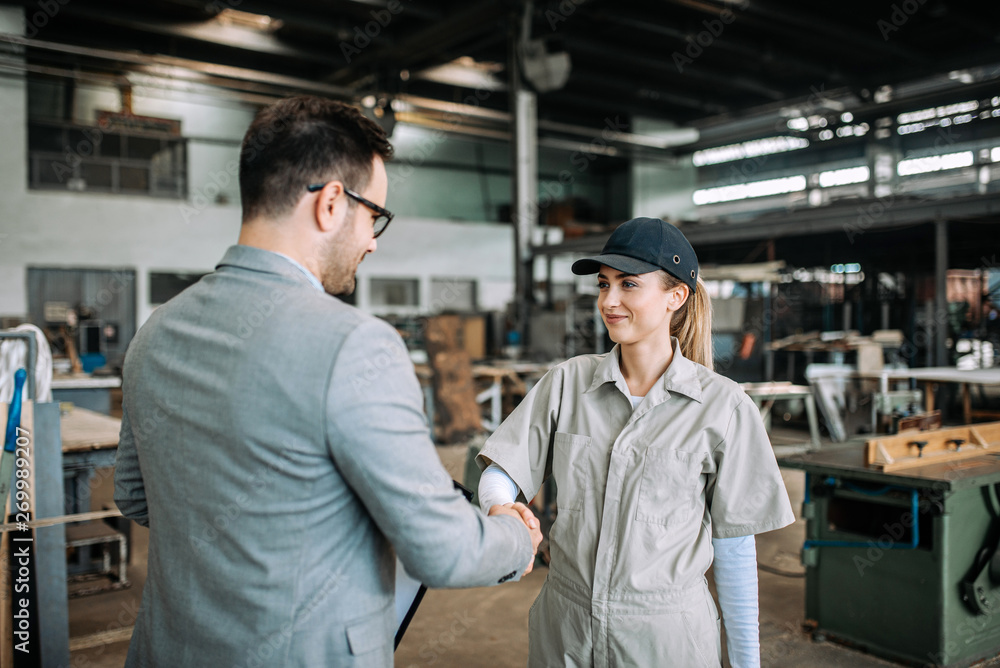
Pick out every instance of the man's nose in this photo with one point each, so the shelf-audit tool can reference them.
(373, 246)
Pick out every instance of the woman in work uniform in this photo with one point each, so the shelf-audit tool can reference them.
(659, 464)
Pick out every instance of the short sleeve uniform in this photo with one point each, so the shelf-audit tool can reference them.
(640, 495)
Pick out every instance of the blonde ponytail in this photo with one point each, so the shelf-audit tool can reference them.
(692, 322)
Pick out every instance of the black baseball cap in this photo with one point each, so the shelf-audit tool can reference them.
(643, 245)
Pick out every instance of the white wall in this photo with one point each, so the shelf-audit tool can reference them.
(89, 230)
(425, 249)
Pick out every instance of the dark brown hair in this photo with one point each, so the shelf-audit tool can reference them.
(302, 140)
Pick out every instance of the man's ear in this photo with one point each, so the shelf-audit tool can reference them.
(331, 207)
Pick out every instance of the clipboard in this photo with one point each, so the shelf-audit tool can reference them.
(409, 591)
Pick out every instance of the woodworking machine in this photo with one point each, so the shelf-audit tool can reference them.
(902, 536)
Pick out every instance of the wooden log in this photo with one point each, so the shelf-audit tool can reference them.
(454, 387)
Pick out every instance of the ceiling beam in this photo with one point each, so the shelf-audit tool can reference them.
(209, 31)
(806, 222)
(801, 23)
(672, 97)
(665, 67)
(160, 65)
(740, 48)
(424, 47)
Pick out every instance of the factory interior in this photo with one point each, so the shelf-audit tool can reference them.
(835, 166)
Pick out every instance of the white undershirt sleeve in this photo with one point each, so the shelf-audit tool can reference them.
(496, 488)
(735, 569)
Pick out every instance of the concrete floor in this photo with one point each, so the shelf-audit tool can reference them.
(488, 627)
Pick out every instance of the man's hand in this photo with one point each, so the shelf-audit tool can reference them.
(523, 513)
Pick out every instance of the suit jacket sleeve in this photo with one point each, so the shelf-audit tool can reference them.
(130, 493)
(378, 439)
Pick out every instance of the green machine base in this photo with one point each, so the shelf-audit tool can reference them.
(902, 564)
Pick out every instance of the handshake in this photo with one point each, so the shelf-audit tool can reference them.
(523, 513)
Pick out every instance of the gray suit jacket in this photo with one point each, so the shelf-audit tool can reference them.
(273, 440)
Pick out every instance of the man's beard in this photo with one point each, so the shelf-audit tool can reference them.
(341, 290)
(339, 269)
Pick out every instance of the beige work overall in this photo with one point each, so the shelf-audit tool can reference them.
(640, 495)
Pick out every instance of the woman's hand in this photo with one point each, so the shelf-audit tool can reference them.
(523, 513)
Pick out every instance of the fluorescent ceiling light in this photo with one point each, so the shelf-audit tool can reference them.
(740, 191)
(995, 154)
(799, 123)
(937, 112)
(851, 268)
(748, 149)
(247, 20)
(934, 163)
(467, 73)
(843, 177)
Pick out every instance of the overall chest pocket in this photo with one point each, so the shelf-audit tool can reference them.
(670, 487)
(569, 467)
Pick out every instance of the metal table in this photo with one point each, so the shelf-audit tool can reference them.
(931, 376)
(85, 391)
(89, 443)
(89, 446)
(887, 555)
(761, 392)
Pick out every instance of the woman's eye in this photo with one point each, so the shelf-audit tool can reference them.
(601, 285)
(629, 284)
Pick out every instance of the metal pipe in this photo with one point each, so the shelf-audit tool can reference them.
(676, 138)
(525, 182)
(940, 292)
(226, 71)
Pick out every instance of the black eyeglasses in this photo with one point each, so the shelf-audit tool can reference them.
(381, 216)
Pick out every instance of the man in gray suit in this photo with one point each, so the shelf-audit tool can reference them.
(273, 438)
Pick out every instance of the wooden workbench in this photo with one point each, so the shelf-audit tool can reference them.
(84, 430)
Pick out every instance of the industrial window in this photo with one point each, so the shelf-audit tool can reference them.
(394, 292)
(453, 295)
(164, 286)
(68, 156)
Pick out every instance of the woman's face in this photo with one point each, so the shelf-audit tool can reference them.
(635, 307)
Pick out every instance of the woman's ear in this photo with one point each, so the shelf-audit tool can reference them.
(677, 297)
